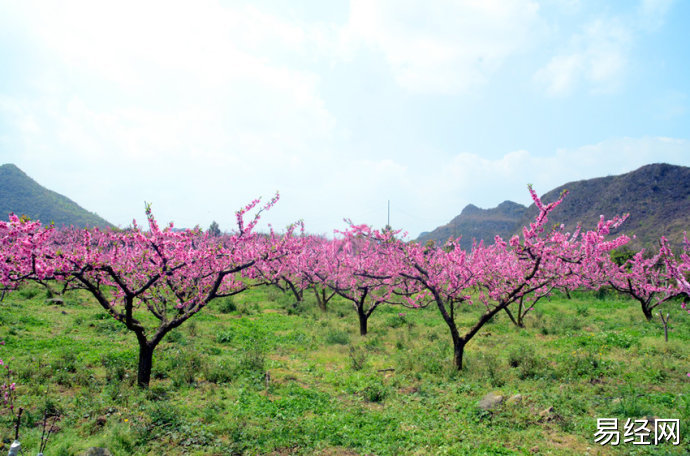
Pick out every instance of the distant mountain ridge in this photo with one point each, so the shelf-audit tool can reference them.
(24, 196)
(656, 196)
(476, 223)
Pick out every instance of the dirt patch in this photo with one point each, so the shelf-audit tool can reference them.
(575, 445)
(338, 452)
(285, 451)
(408, 390)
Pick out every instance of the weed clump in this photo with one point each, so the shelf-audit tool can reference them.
(337, 337)
(525, 360)
(226, 305)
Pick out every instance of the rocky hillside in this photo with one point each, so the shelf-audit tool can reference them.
(657, 197)
(24, 196)
(476, 223)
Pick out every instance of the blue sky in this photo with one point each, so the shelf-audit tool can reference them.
(199, 107)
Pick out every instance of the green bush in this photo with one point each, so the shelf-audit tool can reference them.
(218, 372)
(398, 321)
(628, 403)
(28, 292)
(273, 293)
(579, 363)
(252, 359)
(185, 366)
(337, 337)
(225, 305)
(582, 310)
(525, 359)
(225, 337)
(374, 391)
(175, 336)
(619, 340)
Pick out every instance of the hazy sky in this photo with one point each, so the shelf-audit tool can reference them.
(199, 107)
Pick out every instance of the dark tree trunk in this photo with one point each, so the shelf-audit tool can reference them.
(362, 321)
(298, 293)
(646, 310)
(145, 364)
(520, 315)
(458, 350)
(458, 344)
(665, 323)
(517, 321)
(321, 301)
(449, 318)
(321, 298)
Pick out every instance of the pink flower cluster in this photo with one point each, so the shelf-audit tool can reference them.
(172, 275)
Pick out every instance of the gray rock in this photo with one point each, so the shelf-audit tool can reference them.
(96, 451)
(490, 401)
(546, 414)
(514, 399)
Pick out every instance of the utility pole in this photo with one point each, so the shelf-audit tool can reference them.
(389, 214)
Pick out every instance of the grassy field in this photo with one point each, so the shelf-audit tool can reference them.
(258, 376)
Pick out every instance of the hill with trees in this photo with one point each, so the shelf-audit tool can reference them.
(24, 196)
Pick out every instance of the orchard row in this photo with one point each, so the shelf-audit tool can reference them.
(173, 275)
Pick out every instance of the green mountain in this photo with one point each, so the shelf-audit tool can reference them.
(24, 196)
(656, 196)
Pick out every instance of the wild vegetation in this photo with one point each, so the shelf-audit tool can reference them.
(255, 375)
(272, 343)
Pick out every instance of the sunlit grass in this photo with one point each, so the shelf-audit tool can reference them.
(269, 378)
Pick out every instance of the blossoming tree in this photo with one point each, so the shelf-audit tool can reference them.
(21, 247)
(169, 275)
(505, 272)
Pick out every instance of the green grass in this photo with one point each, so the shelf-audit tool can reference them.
(331, 391)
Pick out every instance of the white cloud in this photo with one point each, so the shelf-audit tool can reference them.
(444, 47)
(123, 41)
(171, 101)
(596, 58)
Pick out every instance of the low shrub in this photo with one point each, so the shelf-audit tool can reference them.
(337, 337)
(225, 304)
(358, 358)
